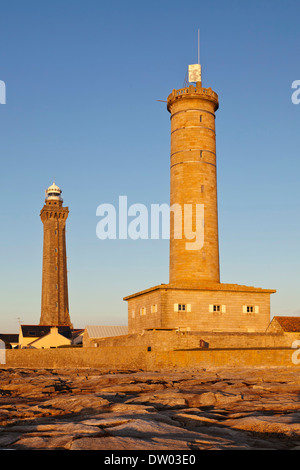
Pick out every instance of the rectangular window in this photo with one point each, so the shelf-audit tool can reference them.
(142, 311)
(217, 308)
(250, 309)
(133, 314)
(182, 307)
(200, 117)
(154, 308)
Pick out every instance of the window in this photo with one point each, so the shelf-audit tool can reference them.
(142, 311)
(217, 308)
(200, 117)
(201, 153)
(133, 314)
(154, 308)
(182, 307)
(250, 309)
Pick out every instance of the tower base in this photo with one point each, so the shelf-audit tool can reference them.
(208, 306)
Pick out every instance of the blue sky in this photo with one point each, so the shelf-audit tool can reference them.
(83, 79)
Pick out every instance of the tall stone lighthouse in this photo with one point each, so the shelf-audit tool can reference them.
(195, 299)
(194, 184)
(55, 303)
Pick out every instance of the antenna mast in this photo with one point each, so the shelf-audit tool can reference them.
(199, 46)
(194, 70)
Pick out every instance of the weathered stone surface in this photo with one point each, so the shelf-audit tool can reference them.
(143, 429)
(8, 438)
(127, 443)
(203, 399)
(287, 426)
(57, 428)
(43, 443)
(75, 404)
(164, 399)
(213, 409)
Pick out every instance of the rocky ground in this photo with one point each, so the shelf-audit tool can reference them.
(90, 409)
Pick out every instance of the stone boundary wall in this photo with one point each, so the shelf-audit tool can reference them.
(139, 358)
(107, 357)
(164, 340)
(222, 358)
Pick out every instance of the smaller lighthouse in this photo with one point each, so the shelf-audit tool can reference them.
(55, 303)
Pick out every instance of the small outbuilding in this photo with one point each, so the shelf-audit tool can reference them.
(92, 333)
(44, 336)
(284, 325)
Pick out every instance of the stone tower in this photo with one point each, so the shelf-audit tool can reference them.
(55, 304)
(194, 183)
(195, 299)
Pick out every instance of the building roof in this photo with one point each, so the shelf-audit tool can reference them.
(9, 338)
(54, 188)
(289, 324)
(104, 331)
(77, 332)
(204, 286)
(36, 331)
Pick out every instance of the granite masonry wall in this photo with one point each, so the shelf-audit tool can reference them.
(168, 340)
(157, 309)
(139, 358)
